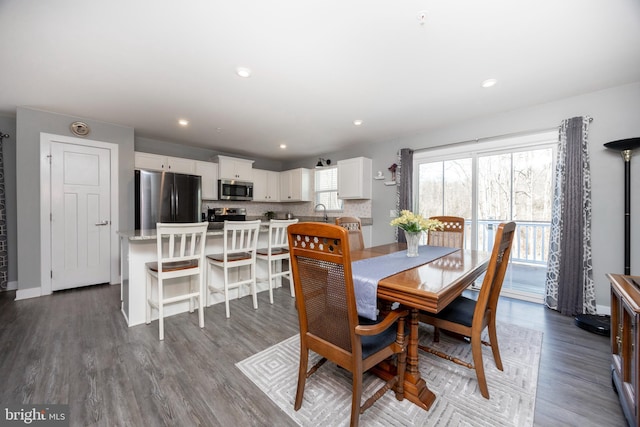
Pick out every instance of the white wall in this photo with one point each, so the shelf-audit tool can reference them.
(616, 114)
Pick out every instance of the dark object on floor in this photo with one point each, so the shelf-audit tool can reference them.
(598, 324)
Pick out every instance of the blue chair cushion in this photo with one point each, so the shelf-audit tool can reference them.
(373, 343)
(459, 311)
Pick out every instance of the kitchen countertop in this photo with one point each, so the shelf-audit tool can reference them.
(215, 228)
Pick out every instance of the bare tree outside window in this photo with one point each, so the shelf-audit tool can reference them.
(510, 185)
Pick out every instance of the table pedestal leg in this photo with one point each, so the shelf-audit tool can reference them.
(415, 387)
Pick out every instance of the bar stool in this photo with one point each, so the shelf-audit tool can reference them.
(180, 254)
(240, 241)
(277, 250)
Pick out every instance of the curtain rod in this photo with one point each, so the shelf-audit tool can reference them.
(490, 138)
(3, 135)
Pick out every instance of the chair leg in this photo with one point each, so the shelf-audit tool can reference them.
(493, 338)
(270, 281)
(191, 301)
(160, 309)
(302, 376)
(292, 288)
(207, 276)
(356, 397)
(254, 290)
(147, 319)
(200, 299)
(476, 350)
(226, 292)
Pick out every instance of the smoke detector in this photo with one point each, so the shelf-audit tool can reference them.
(422, 17)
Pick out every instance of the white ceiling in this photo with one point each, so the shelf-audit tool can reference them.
(317, 65)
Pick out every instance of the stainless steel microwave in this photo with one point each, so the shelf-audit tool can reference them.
(231, 189)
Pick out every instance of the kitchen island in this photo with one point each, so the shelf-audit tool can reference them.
(139, 247)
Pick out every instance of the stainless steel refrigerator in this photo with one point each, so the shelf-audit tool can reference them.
(166, 197)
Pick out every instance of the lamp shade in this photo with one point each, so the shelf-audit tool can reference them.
(624, 144)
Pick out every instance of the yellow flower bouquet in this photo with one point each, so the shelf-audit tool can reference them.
(413, 223)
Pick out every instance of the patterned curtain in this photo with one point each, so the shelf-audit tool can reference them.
(404, 185)
(569, 283)
(4, 263)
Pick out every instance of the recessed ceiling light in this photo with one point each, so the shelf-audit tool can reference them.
(183, 122)
(243, 72)
(357, 122)
(283, 146)
(489, 82)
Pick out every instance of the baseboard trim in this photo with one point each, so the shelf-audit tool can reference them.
(28, 293)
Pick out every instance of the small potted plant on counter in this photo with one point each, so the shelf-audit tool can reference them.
(269, 215)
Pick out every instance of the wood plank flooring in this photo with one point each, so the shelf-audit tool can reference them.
(74, 348)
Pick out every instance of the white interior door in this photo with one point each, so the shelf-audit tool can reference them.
(80, 215)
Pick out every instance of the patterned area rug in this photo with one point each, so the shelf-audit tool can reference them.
(327, 397)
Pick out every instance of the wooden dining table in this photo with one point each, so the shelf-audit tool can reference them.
(429, 287)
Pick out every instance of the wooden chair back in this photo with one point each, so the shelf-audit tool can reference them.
(452, 235)
(354, 226)
(492, 283)
(323, 282)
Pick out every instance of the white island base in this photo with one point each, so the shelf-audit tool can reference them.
(139, 247)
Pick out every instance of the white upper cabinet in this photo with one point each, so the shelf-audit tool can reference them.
(295, 185)
(209, 173)
(163, 163)
(266, 186)
(354, 178)
(233, 168)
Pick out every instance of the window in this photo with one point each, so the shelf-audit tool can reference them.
(508, 179)
(326, 186)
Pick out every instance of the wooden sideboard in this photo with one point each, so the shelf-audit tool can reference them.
(625, 337)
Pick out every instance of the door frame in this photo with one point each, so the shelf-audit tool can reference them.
(45, 206)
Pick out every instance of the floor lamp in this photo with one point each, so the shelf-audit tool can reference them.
(593, 322)
(626, 146)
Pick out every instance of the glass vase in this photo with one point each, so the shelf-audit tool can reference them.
(413, 239)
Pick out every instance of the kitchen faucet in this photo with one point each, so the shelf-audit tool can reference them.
(325, 218)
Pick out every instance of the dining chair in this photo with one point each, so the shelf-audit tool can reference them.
(327, 313)
(467, 317)
(354, 226)
(277, 250)
(180, 249)
(239, 244)
(451, 235)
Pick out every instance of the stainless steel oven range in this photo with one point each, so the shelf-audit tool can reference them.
(217, 216)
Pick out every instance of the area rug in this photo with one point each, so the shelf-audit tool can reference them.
(327, 397)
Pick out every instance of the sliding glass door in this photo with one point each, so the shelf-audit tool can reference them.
(501, 182)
